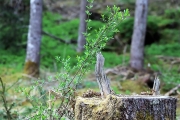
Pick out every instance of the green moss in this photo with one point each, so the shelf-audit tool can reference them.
(141, 116)
(130, 86)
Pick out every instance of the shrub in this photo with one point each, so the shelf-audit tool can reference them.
(66, 30)
(164, 49)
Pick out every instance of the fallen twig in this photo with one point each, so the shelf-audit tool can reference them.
(173, 90)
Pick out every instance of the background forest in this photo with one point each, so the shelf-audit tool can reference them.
(60, 24)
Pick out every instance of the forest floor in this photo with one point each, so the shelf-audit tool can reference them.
(121, 83)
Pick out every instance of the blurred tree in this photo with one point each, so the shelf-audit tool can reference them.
(34, 39)
(138, 38)
(82, 26)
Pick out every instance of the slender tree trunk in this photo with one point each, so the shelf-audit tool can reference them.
(34, 39)
(82, 26)
(138, 38)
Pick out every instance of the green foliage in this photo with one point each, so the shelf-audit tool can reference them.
(169, 36)
(66, 30)
(171, 77)
(169, 71)
(163, 49)
(173, 13)
(158, 27)
(7, 112)
(13, 26)
(113, 59)
(51, 48)
(170, 25)
(126, 28)
(11, 60)
(116, 90)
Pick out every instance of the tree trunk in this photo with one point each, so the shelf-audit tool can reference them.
(34, 39)
(137, 44)
(82, 26)
(126, 108)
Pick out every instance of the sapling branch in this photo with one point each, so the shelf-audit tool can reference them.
(92, 47)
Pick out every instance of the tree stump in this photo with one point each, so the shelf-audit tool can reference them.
(147, 106)
(114, 107)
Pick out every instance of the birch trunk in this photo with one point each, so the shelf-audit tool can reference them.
(34, 39)
(137, 44)
(82, 26)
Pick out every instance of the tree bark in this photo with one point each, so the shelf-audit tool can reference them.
(82, 26)
(126, 108)
(137, 44)
(103, 81)
(34, 39)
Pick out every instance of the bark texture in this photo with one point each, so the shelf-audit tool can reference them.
(126, 108)
(103, 81)
(34, 39)
(137, 44)
(82, 26)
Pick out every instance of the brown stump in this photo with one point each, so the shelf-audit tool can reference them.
(114, 107)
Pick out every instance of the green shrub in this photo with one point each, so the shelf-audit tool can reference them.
(51, 48)
(126, 30)
(163, 49)
(173, 13)
(66, 30)
(11, 60)
(113, 59)
(169, 24)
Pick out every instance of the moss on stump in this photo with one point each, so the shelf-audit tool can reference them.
(140, 107)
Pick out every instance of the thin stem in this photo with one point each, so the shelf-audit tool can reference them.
(3, 95)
